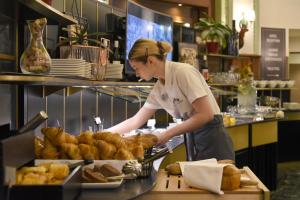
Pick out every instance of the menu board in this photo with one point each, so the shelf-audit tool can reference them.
(273, 53)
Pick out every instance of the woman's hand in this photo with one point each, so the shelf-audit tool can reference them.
(162, 137)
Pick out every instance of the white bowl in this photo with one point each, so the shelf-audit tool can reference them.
(290, 83)
(262, 83)
(281, 84)
(272, 83)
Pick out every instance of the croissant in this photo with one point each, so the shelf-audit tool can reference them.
(71, 138)
(106, 150)
(147, 140)
(89, 152)
(55, 135)
(49, 151)
(113, 138)
(72, 150)
(138, 152)
(123, 154)
(38, 147)
(86, 137)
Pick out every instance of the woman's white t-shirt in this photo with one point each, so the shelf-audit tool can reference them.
(183, 85)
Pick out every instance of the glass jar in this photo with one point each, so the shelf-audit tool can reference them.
(247, 95)
(35, 59)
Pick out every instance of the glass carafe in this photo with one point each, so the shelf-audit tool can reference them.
(247, 95)
(35, 59)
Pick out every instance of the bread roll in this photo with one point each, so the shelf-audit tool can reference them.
(231, 178)
(59, 171)
(173, 169)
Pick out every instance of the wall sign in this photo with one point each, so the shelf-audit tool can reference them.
(273, 53)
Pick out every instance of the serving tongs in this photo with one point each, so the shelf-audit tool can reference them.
(136, 167)
(80, 163)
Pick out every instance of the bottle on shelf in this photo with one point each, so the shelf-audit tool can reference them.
(204, 67)
(116, 53)
(233, 41)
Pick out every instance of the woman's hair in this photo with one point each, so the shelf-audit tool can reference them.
(142, 48)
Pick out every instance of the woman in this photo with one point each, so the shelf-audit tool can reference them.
(183, 93)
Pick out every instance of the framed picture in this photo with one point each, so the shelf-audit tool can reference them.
(188, 53)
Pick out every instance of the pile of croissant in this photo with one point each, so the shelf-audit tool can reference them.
(57, 144)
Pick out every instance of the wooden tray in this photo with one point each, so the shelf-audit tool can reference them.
(174, 187)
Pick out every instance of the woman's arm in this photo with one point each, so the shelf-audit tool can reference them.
(134, 122)
(203, 114)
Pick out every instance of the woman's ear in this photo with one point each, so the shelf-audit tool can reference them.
(150, 59)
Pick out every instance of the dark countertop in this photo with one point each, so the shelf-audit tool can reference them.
(240, 122)
(128, 190)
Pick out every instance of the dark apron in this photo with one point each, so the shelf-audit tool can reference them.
(210, 141)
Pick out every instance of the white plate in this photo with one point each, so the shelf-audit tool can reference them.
(114, 184)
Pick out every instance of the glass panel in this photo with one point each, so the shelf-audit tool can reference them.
(7, 33)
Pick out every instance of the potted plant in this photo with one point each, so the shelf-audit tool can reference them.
(79, 44)
(77, 35)
(213, 33)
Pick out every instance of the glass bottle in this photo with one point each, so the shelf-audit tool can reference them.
(116, 55)
(35, 59)
(204, 68)
(233, 41)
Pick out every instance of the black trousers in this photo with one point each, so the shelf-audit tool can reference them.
(210, 141)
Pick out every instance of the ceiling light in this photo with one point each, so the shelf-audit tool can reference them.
(180, 4)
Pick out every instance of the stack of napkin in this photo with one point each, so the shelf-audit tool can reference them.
(203, 174)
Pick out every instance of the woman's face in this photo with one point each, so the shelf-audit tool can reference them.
(142, 70)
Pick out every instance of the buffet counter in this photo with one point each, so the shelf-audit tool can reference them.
(128, 190)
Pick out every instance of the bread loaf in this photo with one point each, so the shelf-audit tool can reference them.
(107, 170)
(173, 169)
(89, 175)
(231, 179)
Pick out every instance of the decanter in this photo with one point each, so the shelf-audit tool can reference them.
(35, 59)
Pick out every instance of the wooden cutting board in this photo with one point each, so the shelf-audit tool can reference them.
(174, 188)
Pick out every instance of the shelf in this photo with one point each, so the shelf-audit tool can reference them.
(7, 57)
(47, 80)
(49, 12)
(241, 56)
(276, 88)
(222, 85)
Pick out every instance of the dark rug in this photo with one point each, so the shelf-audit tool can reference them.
(288, 185)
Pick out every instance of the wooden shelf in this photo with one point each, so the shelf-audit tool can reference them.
(7, 57)
(241, 56)
(49, 12)
(276, 88)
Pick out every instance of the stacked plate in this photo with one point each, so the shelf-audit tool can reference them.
(70, 67)
(114, 71)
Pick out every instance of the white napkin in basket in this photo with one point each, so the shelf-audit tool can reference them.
(203, 174)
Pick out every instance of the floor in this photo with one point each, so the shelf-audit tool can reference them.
(288, 184)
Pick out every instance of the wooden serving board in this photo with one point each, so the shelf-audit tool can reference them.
(174, 188)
